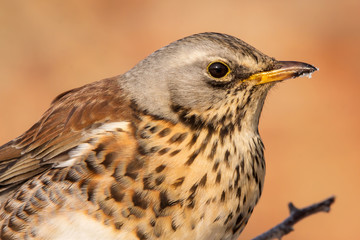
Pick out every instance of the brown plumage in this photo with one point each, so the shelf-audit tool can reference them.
(60, 129)
(169, 150)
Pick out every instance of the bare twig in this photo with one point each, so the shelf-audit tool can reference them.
(296, 215)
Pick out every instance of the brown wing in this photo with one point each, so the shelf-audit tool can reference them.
(61, 128)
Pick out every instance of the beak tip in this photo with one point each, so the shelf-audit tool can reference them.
(298, 68)
(307, 70)
(312, 68)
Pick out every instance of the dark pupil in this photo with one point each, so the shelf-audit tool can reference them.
(218, 70)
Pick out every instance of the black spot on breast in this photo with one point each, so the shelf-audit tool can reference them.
(144, 135)
(231, 128)
(165, 201)
(192, 158)
(164, 132)
(176, 108)
(173, 225)
(195, 122)
(193, 139)
(192, 195)
(218, 177)
(222, 199)
(211, 128)
(242, 166)
(117, 192)
(109, 159)
(237, 176)
(141, 150)
(178, 138)
(159, 180)
(193, 188)
(222, 120)
(213, 150)
(154, 149)
(204, 144)
(203, 180)
(147, 183)
(191, 204)
(173, 153)
(239, 223)
(141, 234)
(91, 193)
(133, 167)
(163, 151)
(255, 176)
(238, 192)
(118, 225)
(216, 219)
(239, 219)
(160, 168)
(229, 217)
(262, 164)
(132, 175)
(224, 131)
(260, 187)
(178, 182)
(256, 159)
(216, 166)
(238, 208)
(226, 158)
(154, 129)
(230, 116)
(139, 200)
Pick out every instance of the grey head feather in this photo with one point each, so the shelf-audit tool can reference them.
(177, 73)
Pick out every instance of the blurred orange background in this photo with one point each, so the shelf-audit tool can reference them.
(310, 126)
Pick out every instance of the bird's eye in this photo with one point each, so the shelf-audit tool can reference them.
(218, 69)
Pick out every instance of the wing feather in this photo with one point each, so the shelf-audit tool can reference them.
(72, 116)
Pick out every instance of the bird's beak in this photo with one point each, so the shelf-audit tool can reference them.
(283, 70)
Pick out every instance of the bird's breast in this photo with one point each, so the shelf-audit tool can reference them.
(208, 181)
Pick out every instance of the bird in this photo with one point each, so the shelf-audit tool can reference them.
(168, 150)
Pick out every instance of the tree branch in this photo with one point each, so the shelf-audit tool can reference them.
(296, 215)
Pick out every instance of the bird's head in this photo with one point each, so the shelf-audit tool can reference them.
(208, 78)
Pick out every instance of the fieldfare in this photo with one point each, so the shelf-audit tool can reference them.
(168, 150)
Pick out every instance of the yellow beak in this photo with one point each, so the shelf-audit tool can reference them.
(283, 70)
